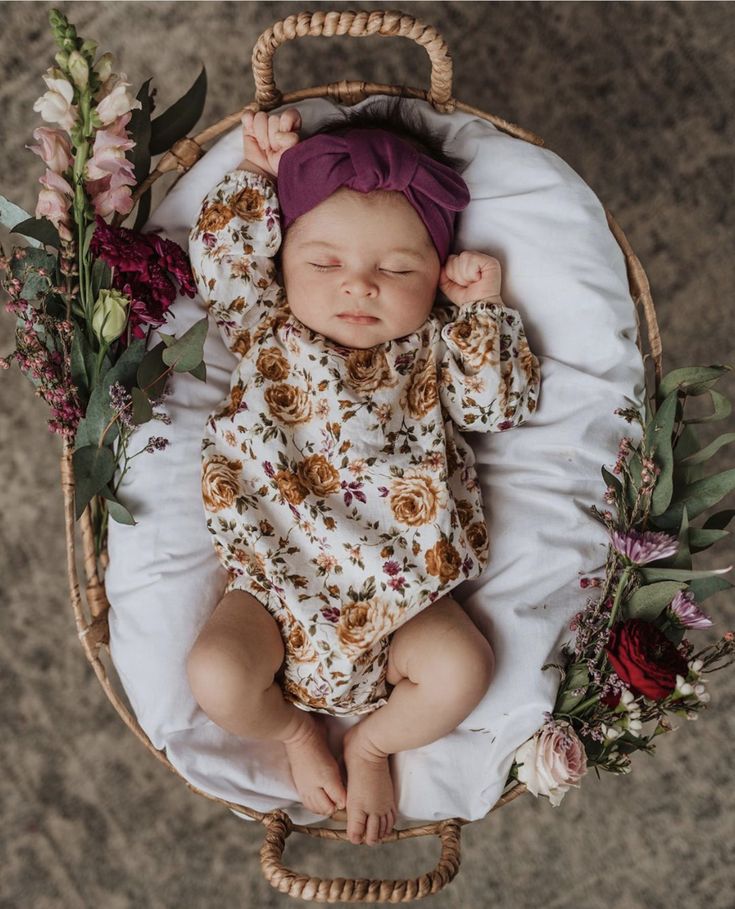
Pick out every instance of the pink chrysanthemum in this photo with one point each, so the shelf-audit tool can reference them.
(686, 611)
(644, 547)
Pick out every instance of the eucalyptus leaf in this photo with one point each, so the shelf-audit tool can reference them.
(188, 351)
(99, 415)
(682, 558)
(649, 601)
(697, 497)
(721, 408)
(705, 454)
(706, 587)
(142, 410)
(40, 229)
(701, 539)
(11, 214)
(677, 574)
(152, 372)
(140, 129)
(117, 511)
(577, 677)
(611, 479)
(181, 118)
(93, 470)
(101, 278)
(199, 372)
(88, 234)
(658, 439)
(693, 380)
(82, 359)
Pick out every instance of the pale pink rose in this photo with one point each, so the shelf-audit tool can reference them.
(55, 106)
(54, 149)
(54, 202)
(552, 761)
(115, 99)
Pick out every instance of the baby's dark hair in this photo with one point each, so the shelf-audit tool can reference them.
(393, 114)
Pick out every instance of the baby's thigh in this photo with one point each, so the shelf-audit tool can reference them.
(439, 643)
(241, 638)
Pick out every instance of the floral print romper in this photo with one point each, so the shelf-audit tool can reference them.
(335, 485)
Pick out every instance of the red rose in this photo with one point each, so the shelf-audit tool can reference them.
(645, 659)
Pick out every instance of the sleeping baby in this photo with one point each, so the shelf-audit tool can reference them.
(339, 493)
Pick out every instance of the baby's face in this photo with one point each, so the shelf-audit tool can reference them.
(360, 269)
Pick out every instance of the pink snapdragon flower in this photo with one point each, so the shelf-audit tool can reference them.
(640, 548)
(110, 175)
(54, 149)
(55, 106)
(54, 202)
(685, 610)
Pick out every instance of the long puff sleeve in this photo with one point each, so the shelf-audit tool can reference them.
(488, 378)
(231, 248)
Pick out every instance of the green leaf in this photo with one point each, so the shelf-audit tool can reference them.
(98, 415)
(40, 229)
(649, 601)
(683, 557)
(101, 277)
(181, 118)
(117, 511)
(11, 214)
(577, 676)
(144, 210)
(721, 408)
(693, 380)
(152, 372)
(699, 457)
(199, 372)
(35, 288)
(697, 497)
(140, 129)
(677, 574)
(82, 365)
(686, 444)
(705, 587)
(700, 539)
(658, 440)
(93, 469)
(720, 519)
(142, 410)
(188, 351)
(89, 233)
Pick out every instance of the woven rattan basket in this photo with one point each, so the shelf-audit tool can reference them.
(92, 620)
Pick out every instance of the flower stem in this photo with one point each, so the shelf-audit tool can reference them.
(619, 594)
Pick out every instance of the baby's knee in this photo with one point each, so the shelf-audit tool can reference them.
(220, 681)
(463, 663)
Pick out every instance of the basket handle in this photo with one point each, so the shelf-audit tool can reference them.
(354, 890)
(387, 23)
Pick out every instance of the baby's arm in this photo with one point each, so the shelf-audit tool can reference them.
(489, 379)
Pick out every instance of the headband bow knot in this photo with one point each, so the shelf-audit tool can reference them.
(365, 160)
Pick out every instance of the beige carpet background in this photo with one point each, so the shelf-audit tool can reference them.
(638, 99)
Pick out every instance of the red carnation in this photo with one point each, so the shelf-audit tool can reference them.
(645, 659)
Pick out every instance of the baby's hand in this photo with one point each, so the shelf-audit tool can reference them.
(470, 276)
(265, 137)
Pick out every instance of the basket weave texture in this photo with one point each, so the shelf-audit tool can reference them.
(92, 618)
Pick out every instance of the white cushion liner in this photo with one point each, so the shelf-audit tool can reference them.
(565, 273)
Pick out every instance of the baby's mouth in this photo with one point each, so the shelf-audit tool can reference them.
(359, 318)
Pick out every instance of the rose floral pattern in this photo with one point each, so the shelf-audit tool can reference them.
(335, 486)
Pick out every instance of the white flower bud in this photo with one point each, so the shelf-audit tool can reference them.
(78, 69)
(110, 315)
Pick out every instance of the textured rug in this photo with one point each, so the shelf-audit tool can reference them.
(638, 99)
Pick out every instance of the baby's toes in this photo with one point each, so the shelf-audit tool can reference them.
(372, 829)
(385, 825)
(319, 802)
(356, 825)
(337, 793)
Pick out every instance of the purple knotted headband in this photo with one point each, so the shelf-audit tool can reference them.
(368, 159)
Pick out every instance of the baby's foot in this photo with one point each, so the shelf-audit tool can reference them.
(371, 807)
(314, 769)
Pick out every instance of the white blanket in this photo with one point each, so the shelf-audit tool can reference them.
(564, 272)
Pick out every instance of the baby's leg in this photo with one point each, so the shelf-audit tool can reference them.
(441, 666)
(231, 670)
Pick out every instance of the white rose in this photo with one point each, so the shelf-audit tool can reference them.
(110, 314)
(552, 761)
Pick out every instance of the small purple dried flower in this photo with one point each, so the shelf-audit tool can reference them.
(640, 548)
(685, 610)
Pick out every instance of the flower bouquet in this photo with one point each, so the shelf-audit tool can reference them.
(631, 665)
(86, 293)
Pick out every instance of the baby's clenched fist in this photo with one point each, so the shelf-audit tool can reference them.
(265, 137)
(470, 276)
